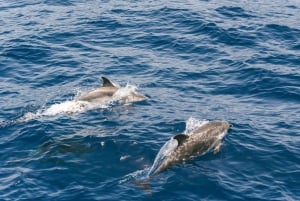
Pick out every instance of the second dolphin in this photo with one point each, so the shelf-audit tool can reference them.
(183, 147)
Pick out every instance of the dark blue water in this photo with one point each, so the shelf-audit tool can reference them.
(214, 60)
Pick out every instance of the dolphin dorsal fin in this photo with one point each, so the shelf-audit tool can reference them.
(107, 82)
(181, 138)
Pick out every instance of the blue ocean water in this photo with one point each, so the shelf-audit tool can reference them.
(216, 60)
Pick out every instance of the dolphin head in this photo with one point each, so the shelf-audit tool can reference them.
(136, 97)
(225, 126)
(133, 97)
(128, 94)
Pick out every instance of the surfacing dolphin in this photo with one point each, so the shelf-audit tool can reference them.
(109, 92)
(183, 147)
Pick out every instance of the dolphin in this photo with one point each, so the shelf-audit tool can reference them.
(108, 92)
(183, 147)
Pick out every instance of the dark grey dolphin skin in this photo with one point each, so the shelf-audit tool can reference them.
(199, 142)
(106, 94)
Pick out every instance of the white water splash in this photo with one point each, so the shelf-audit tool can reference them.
(127, 95)
(192, 124)
(124, 92)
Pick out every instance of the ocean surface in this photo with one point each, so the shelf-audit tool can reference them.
(237, 61)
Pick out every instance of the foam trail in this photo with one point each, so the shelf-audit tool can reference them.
(67, 107)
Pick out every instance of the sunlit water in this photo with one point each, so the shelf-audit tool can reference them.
(216, 60)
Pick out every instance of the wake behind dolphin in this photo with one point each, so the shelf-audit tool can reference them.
(99, 98)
